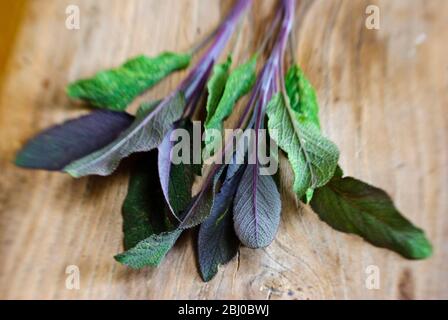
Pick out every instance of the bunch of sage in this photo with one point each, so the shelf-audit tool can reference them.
(236, 203)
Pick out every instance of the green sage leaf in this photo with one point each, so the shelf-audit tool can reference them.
(149, 252)
(114, 89)
(239, 82)
(313, 157)
(303, 100)
(302, 95)
(215, 87)
(144, 209)
(352, 206)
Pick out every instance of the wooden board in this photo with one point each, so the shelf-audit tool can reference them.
(383, 96)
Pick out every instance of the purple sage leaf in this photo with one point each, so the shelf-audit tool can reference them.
(144, 134)
(256, 208)
(56, 147)
(176, 179)
(217, 241)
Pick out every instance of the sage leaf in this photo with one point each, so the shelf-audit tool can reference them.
(144, 209)
(239, 82)
(144, 134)
(176, 179)
(201, 205)
(257, 207)
(115, 89)
(313, 157)
(217, 242)
(303, 100)
(146, 107)
(215, 87)
(149, 234)
(149, 252)
(353, 206)
(302, 95)
(56, 147)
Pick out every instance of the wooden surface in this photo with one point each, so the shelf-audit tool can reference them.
(383, 96)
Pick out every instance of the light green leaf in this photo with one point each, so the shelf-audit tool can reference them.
(149, 252)
(302, 95)
(303, 100)
(239, 83)
(352, 206)
(313, 157)
(309, 195)
(114, 89)
(215, 87)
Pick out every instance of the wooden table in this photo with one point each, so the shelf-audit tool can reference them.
(383, 97)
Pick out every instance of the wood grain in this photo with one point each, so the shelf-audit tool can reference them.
(383, 97)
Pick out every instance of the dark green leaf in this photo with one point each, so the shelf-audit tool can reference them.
(115, 89)
(144, 209)
(352, 206)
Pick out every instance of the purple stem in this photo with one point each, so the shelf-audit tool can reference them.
(192, 83)
(265, 86)
(289, 6)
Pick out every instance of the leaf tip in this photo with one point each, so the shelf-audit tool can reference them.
(72, 90)
(420, 249)
(73, 173)
(207, 276)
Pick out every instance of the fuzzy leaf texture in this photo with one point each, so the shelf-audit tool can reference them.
(149, 252)
(313, 157)
(56, 147)
(146, 107)
(144, 209)
(115, 89)
(215, 87)
(239, 82)
(217, 242)
(302, 95)
(303, 100)
(145, 134)
(352, 206)
(257, 208)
